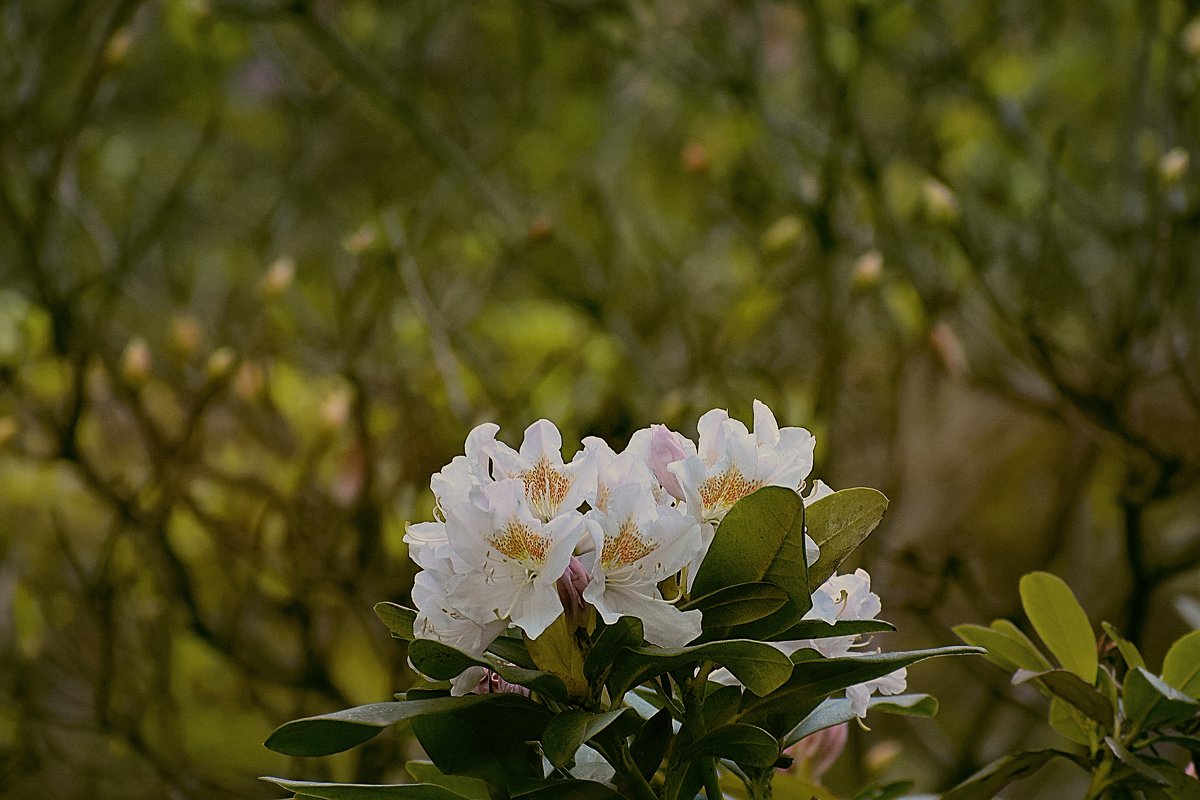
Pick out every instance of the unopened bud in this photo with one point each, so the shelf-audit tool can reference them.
(360, 241)
(1190, 769)
(1173, 165)
(939, 201)
(278, 276)
(695, 157)
(335, 411)
(219, 362)
(186, 335)
(880, 755)
(570, 588)
(541, 228)
(815, 754)
(136, 361)
(117, 47)
(492, 683)
(1190, 38)
(948, 348)
(8, 429)
(665, 449)
(868, 268)
(249, 381)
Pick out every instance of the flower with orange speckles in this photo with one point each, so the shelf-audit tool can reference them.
(552, 487)
(508, 559)
(637, 544)
(731, 462)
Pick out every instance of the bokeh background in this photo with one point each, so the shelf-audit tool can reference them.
(263, 265)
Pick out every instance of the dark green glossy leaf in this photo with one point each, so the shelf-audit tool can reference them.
(812, 680)
(1070, 723)
(398, 619)
(839, 523)
(650, 744)
(354, 791)
(625, 633)
(566, 790)
(486, 740)
(512, 649)
(1069, 688)
(760, 539)
(818, 629)
(760, 667)
(738, 604)
(332, 733)
(987, 783)
(1061, 623)
(1138, 765)
(443, 662)
(567, 730)
(743, 744)
(1150, 702)
(427, 772)
(836, 710)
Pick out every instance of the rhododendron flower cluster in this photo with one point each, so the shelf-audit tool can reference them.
(524, 537)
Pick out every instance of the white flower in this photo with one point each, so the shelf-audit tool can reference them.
(513, 559)
(849, 597)
(438, 619)
(637, 544)
(731, 462)
(552, 487)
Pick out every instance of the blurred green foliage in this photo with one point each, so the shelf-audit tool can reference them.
(263, 264)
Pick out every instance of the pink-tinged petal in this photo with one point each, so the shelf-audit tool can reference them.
(815, 754)
(665, 448)
(691, 474)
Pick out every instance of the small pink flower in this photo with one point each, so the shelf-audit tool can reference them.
(665, 449)
(815, 754)
(492, 683)
(1190, 770)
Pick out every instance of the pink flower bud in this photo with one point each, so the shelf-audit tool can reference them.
(570, 590)
(815, 754)
(492, 683)
(1190, 769)
(665, 450)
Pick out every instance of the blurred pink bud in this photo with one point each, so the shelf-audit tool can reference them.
(815, 754)
(570, 590)
(492, 683)
(136, 361)
(665, 449)
(1190, 770)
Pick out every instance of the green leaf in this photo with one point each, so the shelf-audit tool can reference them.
(470, 788)
(557, 652)
(512, 649)
(839, 523)
(485, 740)
(567, 730)
(836, 710)
(1150, 702)
(819, 629)
(332, 733)
(1135, 763)
(625, 633)
(1128, 650)
(985, 784)
(567, 790)
(811, 681)
(1068, 722)
(738, 604)
(889, 791)
(357, 791)
(398, 619)
(1181, 668)
(1002, 649)
(760, 539)
(1070, 688)
(443, 662)
(650, 744)
(1061, 623)
(758, 666)
(743, 744)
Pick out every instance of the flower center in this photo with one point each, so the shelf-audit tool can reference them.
(521, 543)
(626, 547)
(719, 492)
(545, 487)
